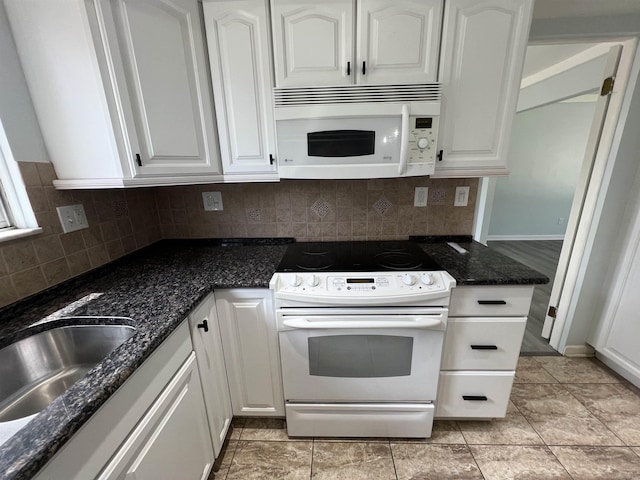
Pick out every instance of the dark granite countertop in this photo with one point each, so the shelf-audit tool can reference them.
(479, 265)
(154, 290)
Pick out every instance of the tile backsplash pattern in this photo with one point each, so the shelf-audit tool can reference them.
(122, 221)
(312, 210)
(119, 222)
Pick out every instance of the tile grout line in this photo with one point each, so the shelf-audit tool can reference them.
(393, 461)
(313, 449)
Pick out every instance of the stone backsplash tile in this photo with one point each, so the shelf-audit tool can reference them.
(312, 210)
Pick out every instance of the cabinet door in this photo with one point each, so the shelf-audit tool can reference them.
(483, 47)
(398, 41)
(240, 54)
(205, 335)
(248, 327)
(164, 64)
(313, 42)
(172, 440)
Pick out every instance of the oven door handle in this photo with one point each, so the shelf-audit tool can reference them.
(435, 322)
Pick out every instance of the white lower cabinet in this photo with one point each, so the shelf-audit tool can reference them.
(250, 339)
(481, 350)
(172, 440)
(207, 344)
(154, 426)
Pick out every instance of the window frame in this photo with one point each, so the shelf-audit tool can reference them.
(15, 207)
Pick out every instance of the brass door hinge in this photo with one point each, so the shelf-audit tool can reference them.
(552, 312)
(607, 86)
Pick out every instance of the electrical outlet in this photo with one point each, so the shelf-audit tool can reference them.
(462, 197)
(420, 197)
(212, 201)
(72, 218)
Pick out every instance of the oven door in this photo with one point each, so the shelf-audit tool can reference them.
(361, 358)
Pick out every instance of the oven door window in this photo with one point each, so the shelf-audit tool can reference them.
(341, 143)
(360, 356)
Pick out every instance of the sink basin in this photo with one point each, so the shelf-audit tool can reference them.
(38, 369)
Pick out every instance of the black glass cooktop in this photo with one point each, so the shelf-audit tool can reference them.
(369, 256)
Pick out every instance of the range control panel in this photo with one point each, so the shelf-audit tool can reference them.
(423, 135)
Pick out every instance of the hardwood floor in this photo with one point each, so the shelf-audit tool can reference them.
(541, 255)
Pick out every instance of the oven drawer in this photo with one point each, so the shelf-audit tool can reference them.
(491, 301)
(483, 343)
(473, 394)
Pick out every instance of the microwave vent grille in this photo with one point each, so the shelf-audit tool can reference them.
(289, 97)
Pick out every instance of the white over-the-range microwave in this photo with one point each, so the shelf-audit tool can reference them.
(357, 131)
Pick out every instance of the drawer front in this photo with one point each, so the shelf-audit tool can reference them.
(490, 301)
(473, 394)
(483, 343)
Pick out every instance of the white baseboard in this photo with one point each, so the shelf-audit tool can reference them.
(579, 351)
(524, 237)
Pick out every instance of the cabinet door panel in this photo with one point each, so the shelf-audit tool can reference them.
(175, 427)
(240, 53)
(209, 354)
(399, 41)
(163, 53)
(248, 327)
(482, 56)
(313, 41)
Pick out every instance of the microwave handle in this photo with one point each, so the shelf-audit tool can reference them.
(404, 140)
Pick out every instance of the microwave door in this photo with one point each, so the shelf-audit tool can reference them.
(341, 143)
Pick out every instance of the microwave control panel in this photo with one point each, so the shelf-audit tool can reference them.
(423, 133)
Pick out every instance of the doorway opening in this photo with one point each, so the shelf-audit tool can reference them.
(534, 213)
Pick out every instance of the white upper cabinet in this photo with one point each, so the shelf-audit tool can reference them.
(317, 43)
(398, 42)
(120, 89)
(483, 47)
(240, 55)
(313, 42)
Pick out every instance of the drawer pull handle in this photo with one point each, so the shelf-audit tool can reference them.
(484, 347)
(204, 325)
(475, 398)
(492, 302)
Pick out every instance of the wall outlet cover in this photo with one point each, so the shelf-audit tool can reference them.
(462, 197)
(420, 196)
(72, 218)
(212, 201)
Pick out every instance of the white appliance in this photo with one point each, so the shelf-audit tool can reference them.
(361, 351)
(357, 131)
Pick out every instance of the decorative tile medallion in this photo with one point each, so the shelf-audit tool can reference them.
(382, 205)
(254, 215)
(438, 196)
(320, 208)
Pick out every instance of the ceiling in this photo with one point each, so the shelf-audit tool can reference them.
(544, 9)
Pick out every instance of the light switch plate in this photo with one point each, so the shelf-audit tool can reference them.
(462, 197)
(420, 197)
(212, 201)
(72, 218)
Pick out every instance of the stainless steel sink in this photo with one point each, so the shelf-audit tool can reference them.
(38, 369)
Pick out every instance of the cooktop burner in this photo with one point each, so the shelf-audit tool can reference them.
(370, 256)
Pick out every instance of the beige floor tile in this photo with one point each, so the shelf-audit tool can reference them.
(227, 457)
(352, 439)
(444, 432)
(577, 370)
(352, 461)
(636, 450)
(507, 462)
(511, 430)
(617, 406)
(546, 399)
(267, 429)
(530, 371)
(573, 430)
(599, 463)
(272, 460)
(434, 462)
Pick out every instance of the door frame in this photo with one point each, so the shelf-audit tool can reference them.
(597, 187)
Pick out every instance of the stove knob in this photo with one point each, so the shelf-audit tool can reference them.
(294, 281)
(408, 279)
(426, 279)
(313, 280)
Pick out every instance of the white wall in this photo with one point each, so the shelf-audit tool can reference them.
(16, 109)
(545, 154)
